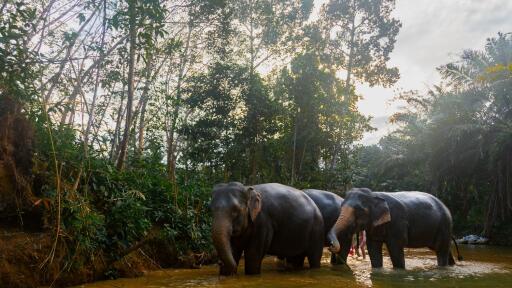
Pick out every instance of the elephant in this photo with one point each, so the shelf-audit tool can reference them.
(330, 207)
(271, 219)
(400, 219)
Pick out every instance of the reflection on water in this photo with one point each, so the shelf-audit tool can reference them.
(482, 267)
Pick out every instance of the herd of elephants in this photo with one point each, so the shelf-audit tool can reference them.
(275, 219)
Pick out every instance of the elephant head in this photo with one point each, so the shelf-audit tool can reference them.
(361, 210)
(234, 206)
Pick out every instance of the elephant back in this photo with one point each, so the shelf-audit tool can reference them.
(329, 205)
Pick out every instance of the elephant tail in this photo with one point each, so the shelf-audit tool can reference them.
(459, 257)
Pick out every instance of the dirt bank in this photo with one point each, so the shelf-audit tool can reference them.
(24, 262)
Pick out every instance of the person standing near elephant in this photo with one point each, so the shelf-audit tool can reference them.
(361, 244)
(264, 219)
(358, 244)
(400, 219)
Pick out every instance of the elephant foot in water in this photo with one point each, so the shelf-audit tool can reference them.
(336, 259)
(291, 263)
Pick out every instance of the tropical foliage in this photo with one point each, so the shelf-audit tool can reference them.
(137, 107)
(455, 141)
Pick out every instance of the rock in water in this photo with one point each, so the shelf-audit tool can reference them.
(472, 239)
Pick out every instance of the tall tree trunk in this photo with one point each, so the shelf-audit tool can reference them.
(131, 86)
(92, 108)
(99, 123)
(56, 78)
(171, 146)
(253, 138)
(294, 151)
(305, 145)
(336, 146)
(117, 131)
(86, 76)
(70, 120)
(144, 101)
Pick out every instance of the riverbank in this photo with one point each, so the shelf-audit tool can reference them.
(24, 252)
(26, 261)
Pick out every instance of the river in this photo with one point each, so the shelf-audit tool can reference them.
(483, 266)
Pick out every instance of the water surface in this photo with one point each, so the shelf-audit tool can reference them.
(483, 266)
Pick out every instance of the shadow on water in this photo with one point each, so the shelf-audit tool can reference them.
(482, 267)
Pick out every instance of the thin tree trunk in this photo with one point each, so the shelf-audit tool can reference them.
(70, 112)
(55, 78)
(117, 131)
(45, 13)
(131, 86)
(303, 156)
(97, 126)
(171, 157)
(348, 95)
(87, 74)
(90, 120)
(294, 151)
(253, 147)
(144, 100)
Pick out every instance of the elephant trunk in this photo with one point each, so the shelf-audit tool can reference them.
(221, 234)
(344, 221)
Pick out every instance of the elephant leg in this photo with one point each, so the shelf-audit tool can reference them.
(252, 264)
(296, 262)
(315, 257)
(253, 256)
(442, 245)
(346, 242)
(237, 254)
(316, 245)
(375, 253)
(445, 258)
(334, 259)
(444, 255)
(341, 257)
(451, 260)
(255, 251)
(396, 253)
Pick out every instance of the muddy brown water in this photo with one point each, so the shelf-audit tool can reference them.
(483, 266)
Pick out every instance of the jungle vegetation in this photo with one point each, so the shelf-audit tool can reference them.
(455, 141)
(118, 117)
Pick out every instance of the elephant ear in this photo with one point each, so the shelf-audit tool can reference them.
(380, 212)
(254, 202)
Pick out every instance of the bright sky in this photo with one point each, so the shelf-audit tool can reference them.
(433, 33)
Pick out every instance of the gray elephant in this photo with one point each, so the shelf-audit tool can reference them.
(264, 219)
(330, 207)
(400, 219)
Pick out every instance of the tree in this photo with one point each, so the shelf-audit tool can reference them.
(148, 16)
(312, 99)
(361, 35)
(454, 141)
(214, 136)
(267, 29)
(131, 85)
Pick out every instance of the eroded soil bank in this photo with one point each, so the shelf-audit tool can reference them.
(26, 261)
